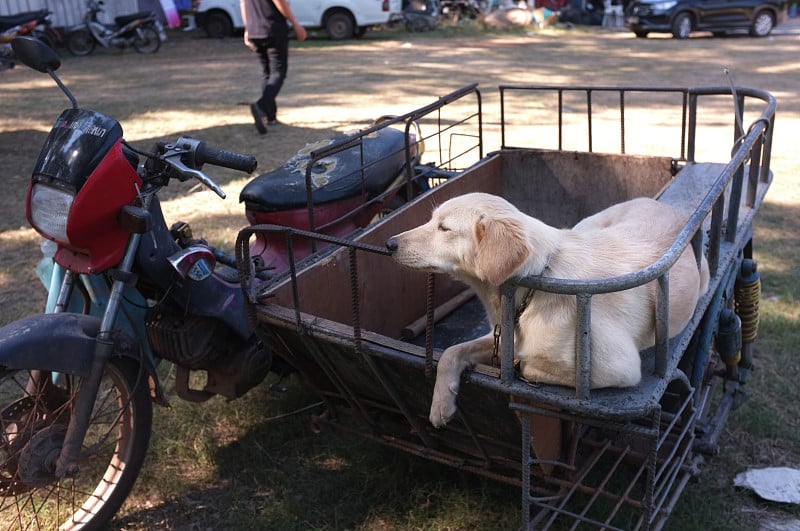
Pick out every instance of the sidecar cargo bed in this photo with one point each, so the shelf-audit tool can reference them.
(539, 182)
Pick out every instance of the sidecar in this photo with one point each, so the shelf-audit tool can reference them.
(607, 458)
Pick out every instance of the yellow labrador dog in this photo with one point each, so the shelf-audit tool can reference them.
(483, 240)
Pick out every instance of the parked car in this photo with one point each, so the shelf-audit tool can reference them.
(681, 17)
(342, 19)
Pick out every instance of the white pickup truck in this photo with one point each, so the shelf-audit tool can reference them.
(341, 19)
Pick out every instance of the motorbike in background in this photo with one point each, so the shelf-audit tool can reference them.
(34, 23)
(456, 10)
(143, 31)
(126, 292)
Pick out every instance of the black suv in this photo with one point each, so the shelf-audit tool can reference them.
(681, 17)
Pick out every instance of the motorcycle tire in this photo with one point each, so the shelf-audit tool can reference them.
(45, 37)
(80, 42)
(34, 413)
(147, 40)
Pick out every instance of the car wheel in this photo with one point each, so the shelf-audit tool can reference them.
(763, 23)
(682, 26)
(339, 26)
(218, 25)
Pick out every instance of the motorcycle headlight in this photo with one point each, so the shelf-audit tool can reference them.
(50, 210)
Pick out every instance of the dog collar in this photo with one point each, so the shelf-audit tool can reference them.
(527, 299)
(520, 310)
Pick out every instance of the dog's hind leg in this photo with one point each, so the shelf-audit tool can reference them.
(451, 365)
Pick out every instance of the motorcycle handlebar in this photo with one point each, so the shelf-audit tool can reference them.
(187, 156)
(206, 154)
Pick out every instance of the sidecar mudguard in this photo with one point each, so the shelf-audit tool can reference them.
(65, 342)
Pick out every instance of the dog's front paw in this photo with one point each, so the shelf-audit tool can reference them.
(443, 405)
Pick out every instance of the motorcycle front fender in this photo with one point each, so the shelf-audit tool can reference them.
(65, 343)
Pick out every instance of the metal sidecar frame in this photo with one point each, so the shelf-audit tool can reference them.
(366, 334)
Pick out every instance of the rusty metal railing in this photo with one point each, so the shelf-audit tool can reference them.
(443, 132)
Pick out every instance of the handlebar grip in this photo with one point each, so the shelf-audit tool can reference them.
(219, 157)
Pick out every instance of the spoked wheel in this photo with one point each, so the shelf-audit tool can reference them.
(80, 42)
(147, 40)
(35, 412)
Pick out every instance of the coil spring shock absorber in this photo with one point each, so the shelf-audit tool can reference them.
(747, 292)
(728, 343)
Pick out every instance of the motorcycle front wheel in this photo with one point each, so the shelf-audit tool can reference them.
(147, 40)
(35, 413)
(80, 42)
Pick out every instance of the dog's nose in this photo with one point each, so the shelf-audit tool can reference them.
(391, 244)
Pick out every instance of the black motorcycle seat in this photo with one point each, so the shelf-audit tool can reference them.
(127, 19)
(339, 176)
(9, 21)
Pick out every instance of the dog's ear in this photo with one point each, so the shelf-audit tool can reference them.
(502, 248)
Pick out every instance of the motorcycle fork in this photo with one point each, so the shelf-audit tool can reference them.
(67, 464)
(39, 380)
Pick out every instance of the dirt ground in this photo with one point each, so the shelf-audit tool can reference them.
(202, 87)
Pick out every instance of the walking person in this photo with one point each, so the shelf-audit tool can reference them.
(266, 32)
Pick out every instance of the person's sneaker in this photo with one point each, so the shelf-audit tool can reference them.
(259, 117)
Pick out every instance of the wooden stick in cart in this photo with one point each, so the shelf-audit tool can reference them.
(440, 312)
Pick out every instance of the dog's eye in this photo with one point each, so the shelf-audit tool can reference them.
(443, 228)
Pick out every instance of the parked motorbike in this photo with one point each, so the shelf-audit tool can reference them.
(125, 292)
(141, 30)
(456, 10)
(34, 23)
(47, 33)
(420, 15)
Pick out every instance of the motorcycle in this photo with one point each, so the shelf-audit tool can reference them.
(141, 30)
(46, 32)
(126, 292)
(34, 23)
(457, 10)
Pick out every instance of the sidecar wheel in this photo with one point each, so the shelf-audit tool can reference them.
(34, 413)
(147, 40)
(80, 42)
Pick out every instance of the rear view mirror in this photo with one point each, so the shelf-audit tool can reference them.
(35, 54)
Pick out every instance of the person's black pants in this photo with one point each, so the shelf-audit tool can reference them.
(274, 56)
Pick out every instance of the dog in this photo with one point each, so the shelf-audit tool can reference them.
(483, 240)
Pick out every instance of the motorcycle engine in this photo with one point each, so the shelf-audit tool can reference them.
(194, 343)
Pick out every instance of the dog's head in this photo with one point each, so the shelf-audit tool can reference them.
(474, 235)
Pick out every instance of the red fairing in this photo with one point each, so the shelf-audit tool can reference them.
(97, 241)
